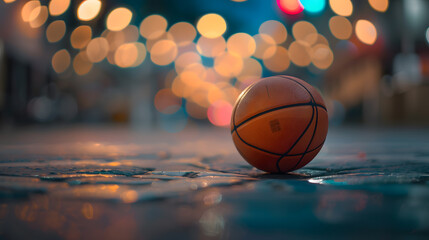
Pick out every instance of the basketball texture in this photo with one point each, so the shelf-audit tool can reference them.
(279, 124)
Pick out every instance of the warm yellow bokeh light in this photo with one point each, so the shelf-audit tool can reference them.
(279, 62)
(305, 33)
(61, 61)
(321, 56)
(126, 55)
(183, 33)
(340, 27)
(81, 36)
(299, 54)
(185, 60)
(153, 26)
(265, 46)
(252, 70)
(211, 25)
(28, 8)
(242, 44)
(58, 7)
(163, 52)
(151, 42)
(9, 1)
(274, 29)
(131, 33)
(342, 7)
(211, 47)
(118, 19)
(379, 5)
(55, 31)
(97, 49)
(81, 64)
(366, 31)
(228, 64)
(141, 53)
(88, 10)
(322, 40)
(38, 16)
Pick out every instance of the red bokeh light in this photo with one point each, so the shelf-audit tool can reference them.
(219, 113)
(291, 7)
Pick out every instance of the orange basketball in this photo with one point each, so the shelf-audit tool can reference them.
(279, 124)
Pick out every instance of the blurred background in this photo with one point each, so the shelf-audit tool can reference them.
(169, 65)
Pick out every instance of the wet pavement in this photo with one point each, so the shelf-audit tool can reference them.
(116, 183)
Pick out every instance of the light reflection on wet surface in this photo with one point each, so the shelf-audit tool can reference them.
(196, 186)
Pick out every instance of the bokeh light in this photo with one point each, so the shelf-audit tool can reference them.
(264, 46)
(166, 102)
(252, 70)
(211, 25)
(321, 56)
(228, 64)
(9, 1)
(141, 53)
(313, 6)
(28, 8)
(342, 7)
(379, 5)
(81, 64)
(130, 33)
(275, 29)
(299, 55)
(55, 31)
(183, 33)
(186, 59)
(81, 36)
(97, 49)
(118, 19)
(290, 7)
(88, 10)
(340, 27)
(366, 31)
(126, 55)
(279, 62)
(38, 16)
(153, 26)
(58, 7)
(242, 44)
(211, 47)
(219, 113)
(305, 33)
(61, 61)
(163, 52)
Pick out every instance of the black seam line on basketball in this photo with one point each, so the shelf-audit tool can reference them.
(311, 140)
(268, 93)
(260, 149)
(275, 109)
(308, 151)
(279, 154)
(315, 124)
(296, 142)
(305, 130)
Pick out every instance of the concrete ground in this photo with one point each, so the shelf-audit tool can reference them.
(114, 183)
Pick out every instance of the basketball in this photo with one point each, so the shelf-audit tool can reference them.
(279, 124)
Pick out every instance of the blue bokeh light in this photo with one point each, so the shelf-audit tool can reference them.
(313, 6)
